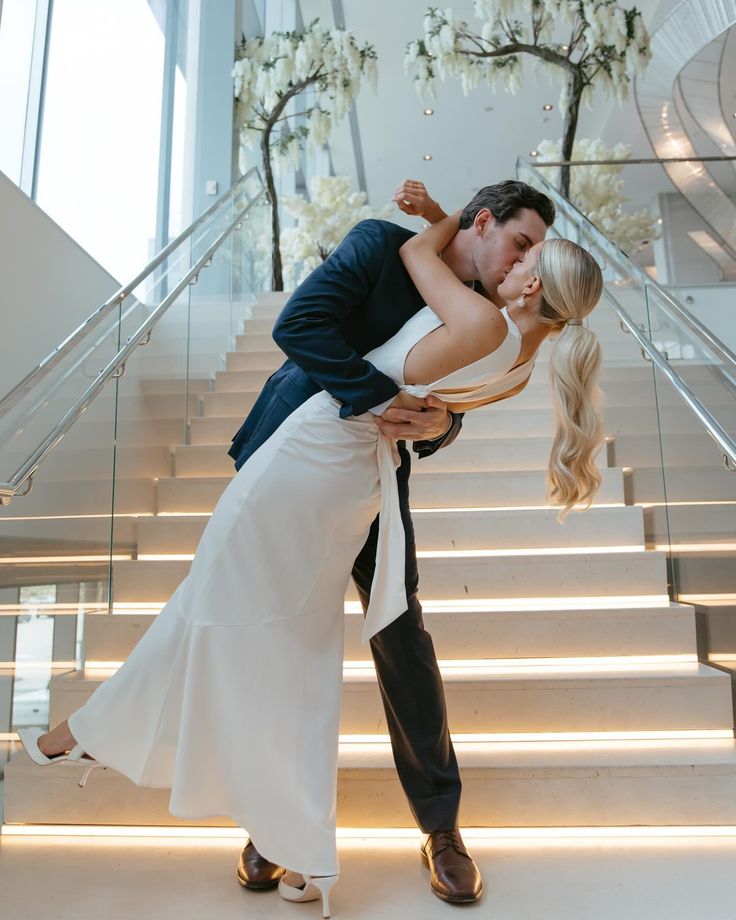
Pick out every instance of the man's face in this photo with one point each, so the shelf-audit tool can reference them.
(496, 247)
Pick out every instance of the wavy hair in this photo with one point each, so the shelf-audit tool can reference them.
(571, 287)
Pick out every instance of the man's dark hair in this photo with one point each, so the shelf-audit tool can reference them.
(505, 200)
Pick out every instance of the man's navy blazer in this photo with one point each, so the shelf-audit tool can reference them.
(358, 298)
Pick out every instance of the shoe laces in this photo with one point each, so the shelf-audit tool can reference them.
(443, 840)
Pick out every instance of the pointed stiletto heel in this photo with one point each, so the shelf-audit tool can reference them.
(312, 890)
(29, 739)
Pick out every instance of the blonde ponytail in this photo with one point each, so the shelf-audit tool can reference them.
(571, 286)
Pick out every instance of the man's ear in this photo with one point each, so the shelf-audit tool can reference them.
(483, 218)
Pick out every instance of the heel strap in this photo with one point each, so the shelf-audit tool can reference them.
(76, 753)
(83, 781)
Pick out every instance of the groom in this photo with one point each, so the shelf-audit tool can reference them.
(353, 302)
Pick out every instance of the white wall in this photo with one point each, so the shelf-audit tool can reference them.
(714, 305)
(49, 284)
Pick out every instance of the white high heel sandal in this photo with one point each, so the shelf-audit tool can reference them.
(29, 739)
(313, 889)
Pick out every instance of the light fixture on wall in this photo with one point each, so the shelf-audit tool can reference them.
(429, 111)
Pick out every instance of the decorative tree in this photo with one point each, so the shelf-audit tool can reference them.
(269, 72)
(602, 43)
(322, 223)
(597, 191)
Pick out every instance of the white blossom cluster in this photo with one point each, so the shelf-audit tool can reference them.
(610, 44)
(321, 224)
(327, 61)
(597, 191)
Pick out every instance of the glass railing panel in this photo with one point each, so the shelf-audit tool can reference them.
(54, 542)
(174, 425)
(713, 306)
(681, 463)
(701, 514)
(75, 538)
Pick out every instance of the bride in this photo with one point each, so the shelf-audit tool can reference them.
(244, 624)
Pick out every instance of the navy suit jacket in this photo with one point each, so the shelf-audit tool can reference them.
(358, 298)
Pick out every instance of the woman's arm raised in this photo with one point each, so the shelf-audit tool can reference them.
(459, 308)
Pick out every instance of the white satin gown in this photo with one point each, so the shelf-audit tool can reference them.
(232, 697)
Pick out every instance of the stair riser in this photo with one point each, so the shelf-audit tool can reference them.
(700, 574)
(463, 456)
(646, 451)
(462, 490)
(491, 798)
(455, 531)
(69, 463)
(691, 523)
(67, 537)
(562, 705)
(84, 498)
(254, 361)
(230, 406)
(682, 483)
(447, 579)
(469, 636)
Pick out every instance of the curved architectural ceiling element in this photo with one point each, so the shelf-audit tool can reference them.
(692, 26)
(700, 84)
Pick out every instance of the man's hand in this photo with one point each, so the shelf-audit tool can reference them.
(412, 198)
(412, 419)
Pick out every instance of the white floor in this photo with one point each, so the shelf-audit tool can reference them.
(118, 879)
(88, 880)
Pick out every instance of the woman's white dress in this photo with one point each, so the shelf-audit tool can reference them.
(232, 697)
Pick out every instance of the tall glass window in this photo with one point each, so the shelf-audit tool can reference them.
(17, 19)
(98, 170)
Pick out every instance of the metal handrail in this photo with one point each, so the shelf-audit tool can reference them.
(24, 386)
(722, 438)
(712, 426)
(115, 367)
(716, 346)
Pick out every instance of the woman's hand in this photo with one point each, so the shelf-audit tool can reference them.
(413, 198)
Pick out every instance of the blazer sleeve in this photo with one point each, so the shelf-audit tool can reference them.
(309, 328)
(427, 448)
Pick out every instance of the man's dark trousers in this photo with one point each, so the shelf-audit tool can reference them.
(313, 332)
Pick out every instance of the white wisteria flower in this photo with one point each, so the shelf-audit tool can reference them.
(322, 223)
(597, 191)
(603, 44)
(321, 68)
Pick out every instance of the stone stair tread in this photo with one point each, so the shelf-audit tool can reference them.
(669, 675)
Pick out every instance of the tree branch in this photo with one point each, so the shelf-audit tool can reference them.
(540, 51)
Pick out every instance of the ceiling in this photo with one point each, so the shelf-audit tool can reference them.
(473, 140)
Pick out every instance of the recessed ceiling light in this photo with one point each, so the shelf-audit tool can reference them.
(659, 220)
(427, 156)
(565, 47)
(533, 153)
(547, 107)
(429, 111)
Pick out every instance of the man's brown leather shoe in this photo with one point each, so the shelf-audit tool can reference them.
(256, 872)
(454, 876)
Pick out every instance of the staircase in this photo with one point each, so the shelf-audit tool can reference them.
(575, 692)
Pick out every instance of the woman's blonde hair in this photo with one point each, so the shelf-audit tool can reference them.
(571, 286)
